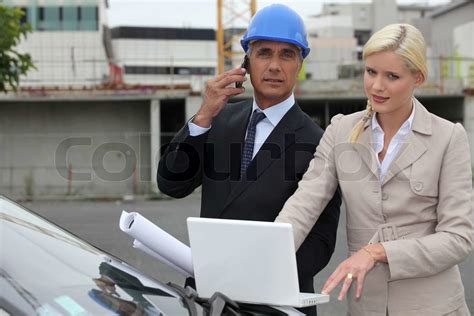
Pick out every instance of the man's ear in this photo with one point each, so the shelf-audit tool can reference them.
(249, 67)
(300, 66)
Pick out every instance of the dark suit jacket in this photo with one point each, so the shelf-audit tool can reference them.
(213, 161)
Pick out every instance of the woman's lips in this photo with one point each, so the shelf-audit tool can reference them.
(379, 99)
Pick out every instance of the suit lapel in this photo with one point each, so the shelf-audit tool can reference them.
(274, 145)
(413, 147)
(226, 155)
(409, 152)
(237, 125)
(282, 136)
(238, 122)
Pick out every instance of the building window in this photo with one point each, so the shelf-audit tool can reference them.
(361, 36)
(51, 20)
(40, 19)
(89, 18)
(209, 71)
(70, 18)
(157, 70)
(67, 18)
(147, 70)
(24, 18)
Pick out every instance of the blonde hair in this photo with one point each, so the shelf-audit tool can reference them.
(359, 127)
(406, 41)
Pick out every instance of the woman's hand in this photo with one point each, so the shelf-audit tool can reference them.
(355, 268)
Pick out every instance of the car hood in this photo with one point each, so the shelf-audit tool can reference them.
(45, 270)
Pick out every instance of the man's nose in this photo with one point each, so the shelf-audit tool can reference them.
(274, 64)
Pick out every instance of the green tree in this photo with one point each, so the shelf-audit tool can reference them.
(12, 63)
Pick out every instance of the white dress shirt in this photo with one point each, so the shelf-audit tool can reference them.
(273, 116)
(395, 143)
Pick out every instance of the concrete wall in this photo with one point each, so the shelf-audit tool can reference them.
(65, 58)
(444, 25)
(330, 26)
(328, 54)
(408, 16)
(98, 145)
(361, 13)
(469, 123)
(166, 53)
(193, 104)
(445, 38)
(464, 44)
(91, 148)
(384, 13)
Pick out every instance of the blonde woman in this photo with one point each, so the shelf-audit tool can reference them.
(405, 176)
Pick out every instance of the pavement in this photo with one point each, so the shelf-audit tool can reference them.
(97, 223)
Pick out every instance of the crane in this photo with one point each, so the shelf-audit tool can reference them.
(229, 14)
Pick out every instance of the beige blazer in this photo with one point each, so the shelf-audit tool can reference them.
(422, 212)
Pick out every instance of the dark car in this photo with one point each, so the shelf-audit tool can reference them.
(46, 270)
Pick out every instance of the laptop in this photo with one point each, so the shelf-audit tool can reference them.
(248, 261)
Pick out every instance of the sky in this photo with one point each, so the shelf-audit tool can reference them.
(203, 13)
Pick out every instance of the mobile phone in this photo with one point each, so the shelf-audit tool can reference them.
(244, 64)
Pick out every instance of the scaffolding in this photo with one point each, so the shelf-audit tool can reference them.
(229, 14)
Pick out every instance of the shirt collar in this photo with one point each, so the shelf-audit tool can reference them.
(406, 126)
(276, 112)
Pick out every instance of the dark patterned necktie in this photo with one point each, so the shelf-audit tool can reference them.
(250, 141)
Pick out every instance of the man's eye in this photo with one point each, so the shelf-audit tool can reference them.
(288, 55)
(264, 53)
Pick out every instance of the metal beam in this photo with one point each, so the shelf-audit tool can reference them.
(229, 13)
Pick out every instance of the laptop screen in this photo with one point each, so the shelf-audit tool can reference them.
(249, 261)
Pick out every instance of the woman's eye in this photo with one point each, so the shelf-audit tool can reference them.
(392, 77)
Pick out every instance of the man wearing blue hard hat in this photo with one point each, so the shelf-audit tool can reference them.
(249, 156)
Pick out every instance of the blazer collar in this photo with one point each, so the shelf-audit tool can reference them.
(409, 152)
(422, 121)
(414, 146)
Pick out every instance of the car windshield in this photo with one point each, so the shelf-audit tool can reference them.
(48, 271)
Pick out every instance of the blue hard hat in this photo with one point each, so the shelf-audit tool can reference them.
(277, 23)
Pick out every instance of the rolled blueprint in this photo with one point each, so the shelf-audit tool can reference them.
(139, 245)
(158, 241)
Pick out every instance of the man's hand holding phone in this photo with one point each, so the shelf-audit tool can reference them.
(217, 93)
(244, 65)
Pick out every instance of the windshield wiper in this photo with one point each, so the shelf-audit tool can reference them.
(216, 305)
